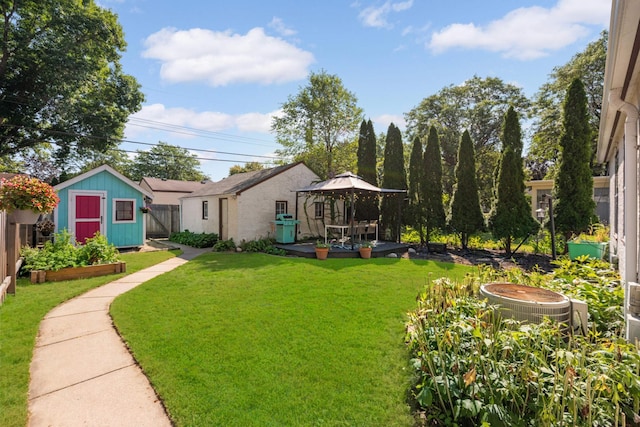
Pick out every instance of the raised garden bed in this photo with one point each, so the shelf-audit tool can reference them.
(70, 273)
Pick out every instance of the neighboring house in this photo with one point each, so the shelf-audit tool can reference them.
(618, 147)
(243, 206)
(102, 200)
(164, 216)
(538, 188)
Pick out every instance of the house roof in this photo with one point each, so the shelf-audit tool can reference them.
(173, 185)
(621, 73)
(95, 171)
(237, 183)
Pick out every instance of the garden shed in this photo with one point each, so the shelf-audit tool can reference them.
(244, 206)
(103, 200)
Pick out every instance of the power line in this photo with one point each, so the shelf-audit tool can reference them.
(120, 140)
(178, 129)
(200, 132)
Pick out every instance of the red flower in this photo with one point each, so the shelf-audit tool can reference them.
(24, 193)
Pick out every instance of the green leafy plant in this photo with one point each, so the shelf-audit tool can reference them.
(24, 193)
(61, 253)
(224, 245)
(472, 367)
(196, 240)
(97, 250)
(261, 245)
(321, 244)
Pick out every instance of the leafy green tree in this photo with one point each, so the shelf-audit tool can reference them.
(588, 66)
(466, 215)
(168, 162)
(117, 159)
(319, 123)
(478, 105)
(415, 208)
(511, 215)
(367, 205)
(433, 208)
(60, 78)
(394, 177)
(575, 208)
(247, 167)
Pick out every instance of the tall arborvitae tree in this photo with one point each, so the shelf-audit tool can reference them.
(511, 216)
(432, 184)
(466, 215)
(393, 177)
(367, 206)
(414, 215)
(574, 185)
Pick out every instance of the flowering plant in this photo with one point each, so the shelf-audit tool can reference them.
(24, 193)
(46, 226)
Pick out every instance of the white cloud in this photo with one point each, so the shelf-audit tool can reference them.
(254, 122)
(383, 121)
(278, 25)
(527, 32)
(186, 123)
(377, 16)
(223, 58)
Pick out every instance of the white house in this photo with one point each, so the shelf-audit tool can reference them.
(618, 146)
(243, 206)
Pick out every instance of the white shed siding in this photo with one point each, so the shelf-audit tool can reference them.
(257, 205)
(252, 212)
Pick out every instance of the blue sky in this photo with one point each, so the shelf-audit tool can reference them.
(214, 72)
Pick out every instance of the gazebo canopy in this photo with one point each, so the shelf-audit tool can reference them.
(346, 183)
(343, 185)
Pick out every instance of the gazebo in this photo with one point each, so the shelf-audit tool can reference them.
(346, 185)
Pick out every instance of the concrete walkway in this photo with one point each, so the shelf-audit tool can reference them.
(82, 373)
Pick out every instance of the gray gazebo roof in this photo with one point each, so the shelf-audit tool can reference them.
(345, 183)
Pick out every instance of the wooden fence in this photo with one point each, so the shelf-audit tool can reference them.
(11, 237)
(162, 220)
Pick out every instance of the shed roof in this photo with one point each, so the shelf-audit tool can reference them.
(173, 185)
(103, 168)
(237, 183)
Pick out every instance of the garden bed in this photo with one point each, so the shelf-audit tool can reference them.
(70, 273)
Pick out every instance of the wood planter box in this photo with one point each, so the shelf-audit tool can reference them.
(70, 273)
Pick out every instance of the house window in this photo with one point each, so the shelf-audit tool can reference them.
(205, 209)
(124, 210)
(281, 207)
(318, 208)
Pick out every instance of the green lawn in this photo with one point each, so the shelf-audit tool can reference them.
(252, 339)
(20, 317)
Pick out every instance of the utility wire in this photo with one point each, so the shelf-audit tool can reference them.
(75, 135)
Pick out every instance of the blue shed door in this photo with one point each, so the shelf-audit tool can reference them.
(86, 214)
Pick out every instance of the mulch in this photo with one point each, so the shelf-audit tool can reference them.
(494, 258)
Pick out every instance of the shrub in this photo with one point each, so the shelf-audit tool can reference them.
(473, 368)
(224, 245)
(61, 253)
(195, 240)
(97, 250)
(261, 245)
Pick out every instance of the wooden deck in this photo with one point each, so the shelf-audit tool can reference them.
(307, 250)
